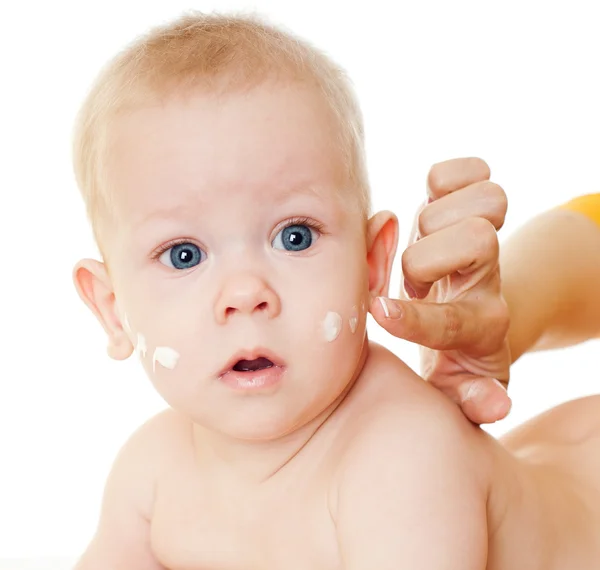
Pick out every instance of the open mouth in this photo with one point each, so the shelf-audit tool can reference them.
(252, 361)
(253, 370)
(252, 365)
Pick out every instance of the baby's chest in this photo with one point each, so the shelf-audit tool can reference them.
(266, 532)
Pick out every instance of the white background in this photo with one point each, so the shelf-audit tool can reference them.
(513, 82)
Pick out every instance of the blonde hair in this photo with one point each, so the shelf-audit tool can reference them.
(214, 52)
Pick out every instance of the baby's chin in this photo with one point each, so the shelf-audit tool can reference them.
(267, 419)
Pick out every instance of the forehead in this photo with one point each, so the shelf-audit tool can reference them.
(268, 140)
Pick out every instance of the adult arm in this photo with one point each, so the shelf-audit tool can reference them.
(551, 278)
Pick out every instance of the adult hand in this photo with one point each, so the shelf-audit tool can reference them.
(452, 303)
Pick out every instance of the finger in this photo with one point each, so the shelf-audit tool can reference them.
(439, 326)
(450, 175)
(465, 247)
(484, 400)
(479, 200)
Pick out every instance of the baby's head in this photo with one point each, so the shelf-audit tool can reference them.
(218, 56)
(222, 165)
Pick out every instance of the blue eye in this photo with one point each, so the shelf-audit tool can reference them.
(182, 256)
(297, 237)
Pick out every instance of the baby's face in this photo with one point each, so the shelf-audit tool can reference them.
(240, 263)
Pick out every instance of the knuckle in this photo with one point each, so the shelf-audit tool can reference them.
(453, 324)
(413, 319)
(441, 174)
(409, 261)
(484, 237)
(436, 179)
(481, 166)
(424, 221)
(498, 201)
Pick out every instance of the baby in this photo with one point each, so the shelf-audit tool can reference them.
(221, 161)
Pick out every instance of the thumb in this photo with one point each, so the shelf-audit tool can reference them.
(483, 400)
(439, 326)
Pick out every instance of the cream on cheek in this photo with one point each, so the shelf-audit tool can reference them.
(140, 345)
(332, 324)
(166, 356)
(353, 320)
(126, 324)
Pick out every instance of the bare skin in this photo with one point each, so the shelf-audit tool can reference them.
(558, 453)
(551, 278)
(164, 509)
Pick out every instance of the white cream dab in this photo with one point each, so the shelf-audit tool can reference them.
(165, 356)
(384, 306)
(126, 323)
(141, 345)
(332, 325)
(353, 320)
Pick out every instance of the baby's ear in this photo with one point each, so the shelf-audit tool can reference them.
(95, 289)
(382, 241)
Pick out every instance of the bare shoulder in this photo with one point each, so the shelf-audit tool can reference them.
(167, 430)
(396, 418)
(150, 447)
(412, 466)
(391, 403)
(122, 536)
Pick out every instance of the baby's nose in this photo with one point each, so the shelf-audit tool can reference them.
(246, 294)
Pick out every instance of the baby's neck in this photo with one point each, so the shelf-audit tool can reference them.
(257, 461)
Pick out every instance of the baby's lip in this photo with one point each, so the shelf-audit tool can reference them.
(251, 354)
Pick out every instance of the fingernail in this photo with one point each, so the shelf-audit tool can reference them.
(473, 393)
(499, 384)
(384, 307)
(390, 309)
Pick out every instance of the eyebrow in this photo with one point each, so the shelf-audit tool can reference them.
(178, 211)
(187, 209)
(304, 189)
(166, 213)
